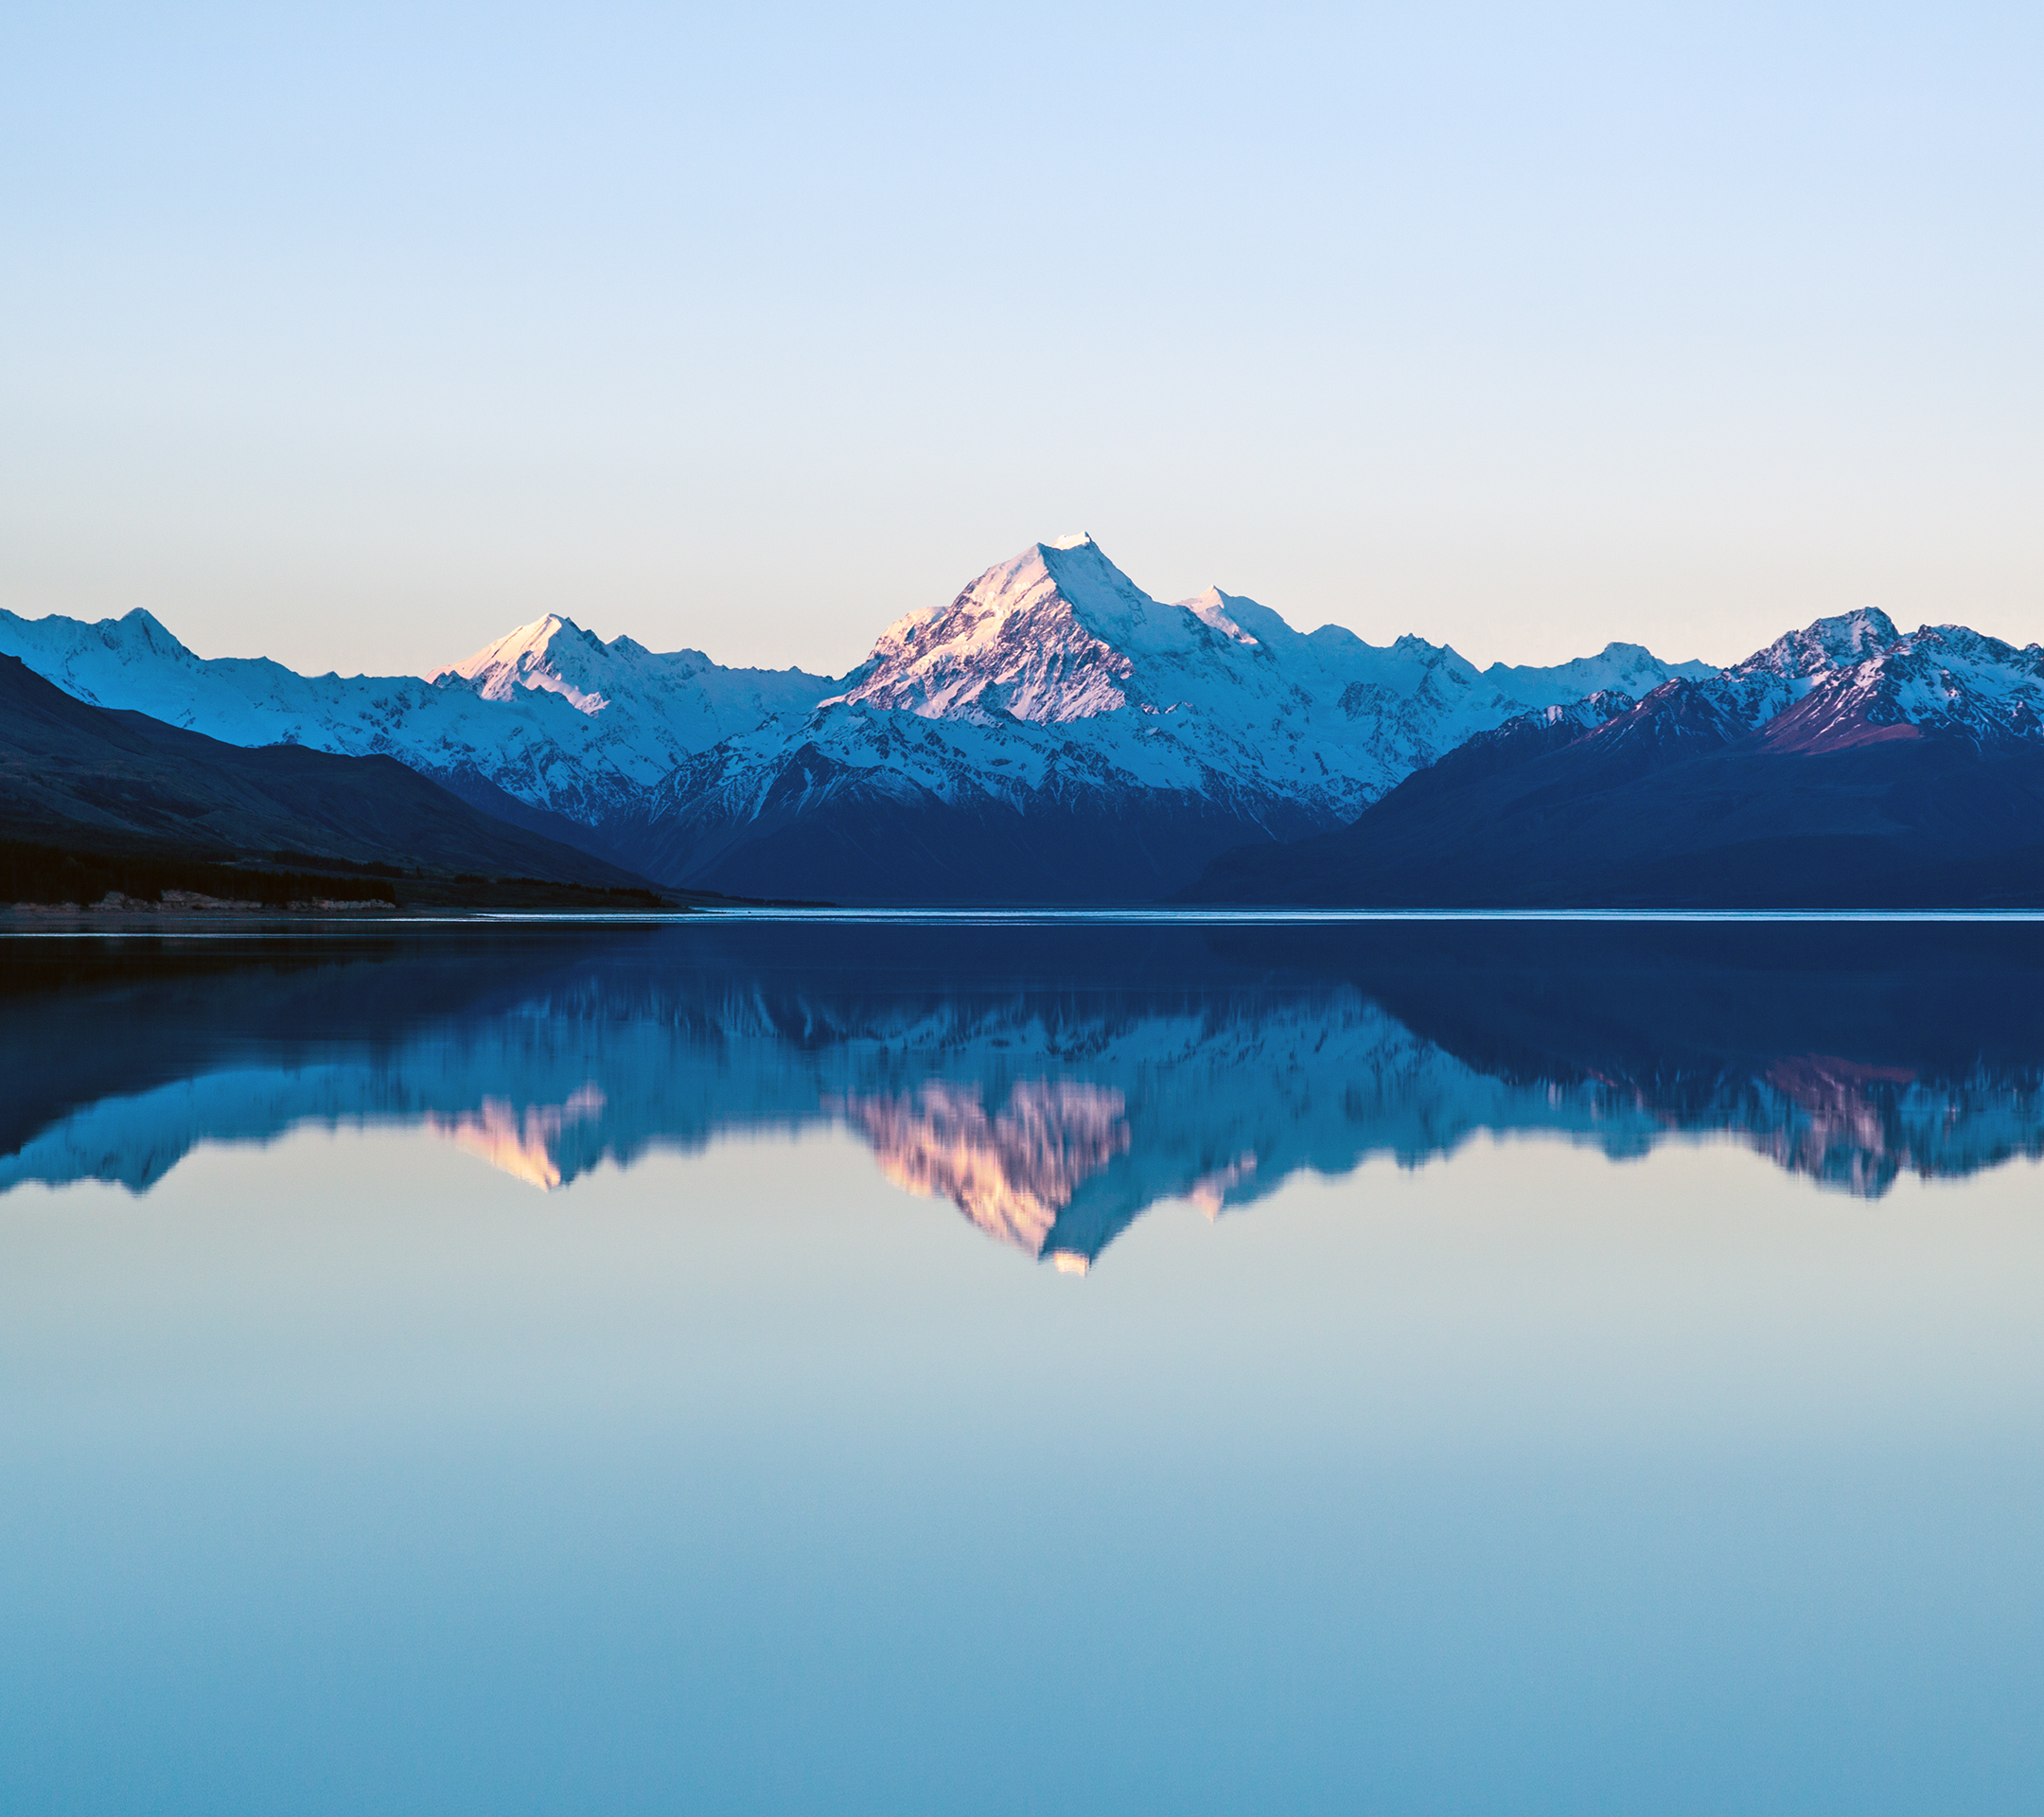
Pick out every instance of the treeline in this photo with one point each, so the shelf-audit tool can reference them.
(50, 873)
(55, 875)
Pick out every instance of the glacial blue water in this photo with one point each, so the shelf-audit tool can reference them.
(1164, 1366)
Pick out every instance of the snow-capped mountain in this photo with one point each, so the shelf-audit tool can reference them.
(1056, 733)
(551, 715)
(1052, 732)
(1849, 680)
(1845, 766)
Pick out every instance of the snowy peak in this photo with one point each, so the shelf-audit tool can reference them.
(1679, 716)
(1941, 681)
(1215, 608)
(1051, 636)
(146, 633)
(552, 653)
(1847, 680)
(1774, 678)
(127, 663)
(1592, 710)
(1105, 602)
(550, 714)
(1829, 644)
(644, 713)
(1053, 684)
(1621, 668)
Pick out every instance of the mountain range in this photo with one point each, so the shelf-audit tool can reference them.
(125, 805)
(1054, 734)
(1051, 735)
(1848, 765)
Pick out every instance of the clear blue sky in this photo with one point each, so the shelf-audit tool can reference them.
(355, 335)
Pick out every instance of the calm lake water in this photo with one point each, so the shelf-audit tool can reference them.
(792, 1367)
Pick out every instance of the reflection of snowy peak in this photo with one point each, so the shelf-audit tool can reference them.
(1050, 1140)
(1013, 1168)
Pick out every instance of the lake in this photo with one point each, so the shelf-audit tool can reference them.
(1023, 1365)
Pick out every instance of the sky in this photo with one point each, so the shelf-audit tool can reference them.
(358, 336)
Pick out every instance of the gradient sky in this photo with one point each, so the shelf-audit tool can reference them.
(357, 337)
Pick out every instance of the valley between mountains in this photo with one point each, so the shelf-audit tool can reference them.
(1054, 734)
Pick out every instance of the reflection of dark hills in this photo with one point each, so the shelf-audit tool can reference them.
(1710, 1024)
(1657, 999)
(1053, 1081)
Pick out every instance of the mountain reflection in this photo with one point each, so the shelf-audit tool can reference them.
(1011, 1172)
(1052, 1081)
(518, 1142)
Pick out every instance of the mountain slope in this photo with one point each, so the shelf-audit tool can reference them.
(1846, 765)
(570, 727)
(1055, 734)
(82, 777)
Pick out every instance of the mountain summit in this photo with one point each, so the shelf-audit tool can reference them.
(1054, 635)
(549, 653)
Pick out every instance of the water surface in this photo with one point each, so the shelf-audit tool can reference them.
(1184, 1366)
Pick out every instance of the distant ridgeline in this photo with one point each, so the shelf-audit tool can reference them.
(1054, 734)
